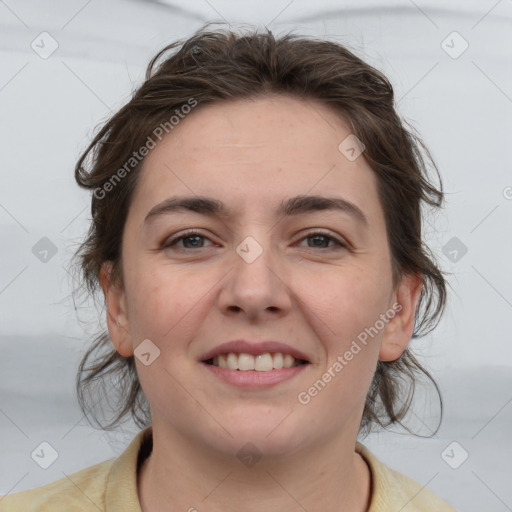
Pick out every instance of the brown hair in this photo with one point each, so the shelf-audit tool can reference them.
(220, 65)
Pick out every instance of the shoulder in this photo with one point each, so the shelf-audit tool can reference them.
(110, 486)
(77, 492)
(392, 490)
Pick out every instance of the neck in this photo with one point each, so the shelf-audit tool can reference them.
(182, 475)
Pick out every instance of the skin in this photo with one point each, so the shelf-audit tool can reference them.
(253, 154)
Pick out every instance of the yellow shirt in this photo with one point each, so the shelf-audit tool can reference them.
(111, 486)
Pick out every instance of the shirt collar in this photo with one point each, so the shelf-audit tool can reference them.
(121, 490)
(380, 500)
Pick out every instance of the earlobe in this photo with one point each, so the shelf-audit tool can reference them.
(117, 314)
(399, 330)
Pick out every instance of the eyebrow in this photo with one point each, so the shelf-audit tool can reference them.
(293, 206)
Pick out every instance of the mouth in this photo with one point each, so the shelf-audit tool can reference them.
(255, 365)
(261, 362)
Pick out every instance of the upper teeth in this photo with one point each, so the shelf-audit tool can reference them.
(263, 362)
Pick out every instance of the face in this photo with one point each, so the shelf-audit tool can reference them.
(309, 278)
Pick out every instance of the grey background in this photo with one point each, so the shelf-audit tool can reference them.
(459, 101)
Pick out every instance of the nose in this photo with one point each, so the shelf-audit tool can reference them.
(257, 285)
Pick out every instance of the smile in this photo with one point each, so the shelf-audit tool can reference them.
(261, 362)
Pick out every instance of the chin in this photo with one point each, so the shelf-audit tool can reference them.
(271, 436)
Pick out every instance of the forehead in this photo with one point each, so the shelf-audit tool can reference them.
(252, 153)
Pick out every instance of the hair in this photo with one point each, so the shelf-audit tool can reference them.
(221, 65)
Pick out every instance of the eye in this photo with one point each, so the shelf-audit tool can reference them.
(191, 240)
(321, 240)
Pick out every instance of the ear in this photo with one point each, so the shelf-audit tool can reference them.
(117, 314)
(399, 329)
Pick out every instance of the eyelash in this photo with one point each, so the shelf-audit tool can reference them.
(311, 234)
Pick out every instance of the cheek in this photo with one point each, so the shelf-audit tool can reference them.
(348, 306)
(347, 301)
(164, 303)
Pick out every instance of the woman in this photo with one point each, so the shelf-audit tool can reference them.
(256, 234)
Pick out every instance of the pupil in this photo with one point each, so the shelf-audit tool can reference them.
(318, 237)
(196, 237)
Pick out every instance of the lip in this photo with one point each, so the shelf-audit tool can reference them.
(254, 348)
(254, 378)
